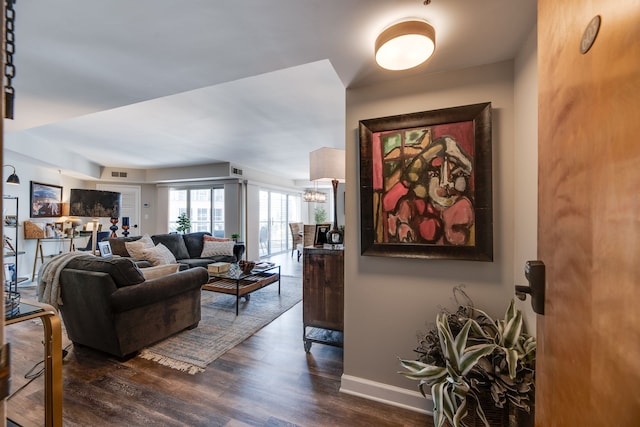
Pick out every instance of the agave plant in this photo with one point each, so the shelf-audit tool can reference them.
(484, 356)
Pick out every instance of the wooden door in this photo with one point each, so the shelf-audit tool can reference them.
(588, 371)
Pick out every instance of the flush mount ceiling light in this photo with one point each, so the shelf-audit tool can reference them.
(405, 45)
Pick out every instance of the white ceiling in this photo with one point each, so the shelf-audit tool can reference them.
(259, 83)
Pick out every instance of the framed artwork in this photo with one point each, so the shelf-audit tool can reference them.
(105, 249)
(11, 220)
(46, 200)
(320, 237)
(425, 184)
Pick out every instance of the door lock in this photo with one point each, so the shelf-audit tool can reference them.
(534, 271)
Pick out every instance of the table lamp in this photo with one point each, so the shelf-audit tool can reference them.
(328, 164)
(75, 223)
(95, 204)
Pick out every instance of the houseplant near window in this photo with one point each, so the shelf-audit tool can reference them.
(469, 356)
(319, 215)
(184, 223)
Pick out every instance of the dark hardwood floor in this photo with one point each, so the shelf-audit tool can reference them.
(268, 380)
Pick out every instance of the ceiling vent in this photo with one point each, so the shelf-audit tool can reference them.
(237, 171)
(115, 174)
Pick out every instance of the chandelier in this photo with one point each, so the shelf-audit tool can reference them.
(314, 196)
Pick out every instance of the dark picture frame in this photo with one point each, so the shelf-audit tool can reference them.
(426, 184)
(46, 200)
(320, 237)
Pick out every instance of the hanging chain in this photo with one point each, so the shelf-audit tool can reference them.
(9, 68)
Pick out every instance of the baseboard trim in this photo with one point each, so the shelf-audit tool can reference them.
(385, 393)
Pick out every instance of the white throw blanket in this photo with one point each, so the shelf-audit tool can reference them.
(49, 277)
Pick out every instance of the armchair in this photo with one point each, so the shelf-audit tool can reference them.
(296, 236)
(308, 238)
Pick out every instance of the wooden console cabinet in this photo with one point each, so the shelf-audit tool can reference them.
(322, 296)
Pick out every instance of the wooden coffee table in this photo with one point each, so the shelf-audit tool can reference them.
(242, 284)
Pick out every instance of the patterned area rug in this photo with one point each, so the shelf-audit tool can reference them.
(220, 329)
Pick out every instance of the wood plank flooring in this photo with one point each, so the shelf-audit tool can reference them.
(268, 380)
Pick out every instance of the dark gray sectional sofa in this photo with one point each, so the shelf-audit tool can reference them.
(187, 248)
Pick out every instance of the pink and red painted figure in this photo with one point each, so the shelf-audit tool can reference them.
(423, 185)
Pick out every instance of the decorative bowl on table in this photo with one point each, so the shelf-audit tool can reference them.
(246, 266)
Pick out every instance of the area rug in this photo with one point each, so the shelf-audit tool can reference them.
(220, 329)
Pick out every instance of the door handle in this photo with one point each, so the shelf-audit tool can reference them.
(534, 271)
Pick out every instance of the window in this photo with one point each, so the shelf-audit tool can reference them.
(177, 206)
(205, 207)
(277, 209)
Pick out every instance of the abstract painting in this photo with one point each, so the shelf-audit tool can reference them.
(425, 184)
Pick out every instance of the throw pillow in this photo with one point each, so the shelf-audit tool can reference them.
(159, 255)
(136, 248)
(211, 249)
(174, 242)
(118, 247)
(215, 239)
(150, 273)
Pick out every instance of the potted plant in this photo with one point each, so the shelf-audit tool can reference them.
(467, 357)
(320, 215)
(184, 223)
(235, 237)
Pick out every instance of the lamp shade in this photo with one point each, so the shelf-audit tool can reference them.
(405, 45)
(94, 203)
(327, 164)
(13, 178)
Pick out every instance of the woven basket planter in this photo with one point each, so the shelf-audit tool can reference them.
(497, 417)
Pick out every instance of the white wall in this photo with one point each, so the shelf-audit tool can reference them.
(252, 239)
(526, 166)
(389, 300)
(233, 208)
(40, 153)
(27, 171)
(162, 210)
(149, 210)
